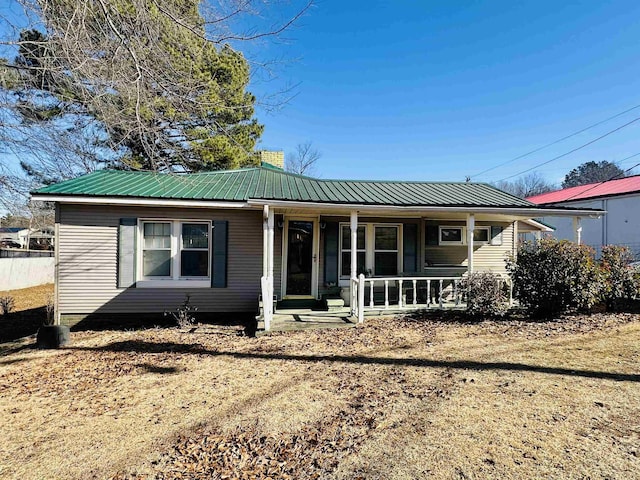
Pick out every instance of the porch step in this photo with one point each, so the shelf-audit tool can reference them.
(334, 304)
(287, 304)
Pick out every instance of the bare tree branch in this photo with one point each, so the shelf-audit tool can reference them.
(129, 83)
(304, 160)
(527, 186)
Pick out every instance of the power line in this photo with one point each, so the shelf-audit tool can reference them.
(574, 150)
(615, 177)
(555, 141)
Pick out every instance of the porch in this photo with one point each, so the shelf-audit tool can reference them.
(371, 261)
(410, 263)
(374, 297)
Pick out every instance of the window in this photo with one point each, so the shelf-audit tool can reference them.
(450, 236)
(386, 250)
(194, 254)
(481, 235)
(456, 235)
(156, 249)
(378, 250)
(345, 254)
(175, 251)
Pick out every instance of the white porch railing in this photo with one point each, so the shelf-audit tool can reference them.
(410, 293)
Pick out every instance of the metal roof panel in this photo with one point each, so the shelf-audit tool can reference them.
(274, 184)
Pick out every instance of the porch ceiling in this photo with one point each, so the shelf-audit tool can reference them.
(395, 215)
(507, 214)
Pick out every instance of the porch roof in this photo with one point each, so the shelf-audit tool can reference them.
(269, 183)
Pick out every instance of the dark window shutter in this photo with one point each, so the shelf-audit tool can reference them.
(410, 247)
(219, 254)
(331, 253)
(127, 237)
(431, 235)
(496, 235)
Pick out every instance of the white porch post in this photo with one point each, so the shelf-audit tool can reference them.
(361, 297)
(577, 229)
(354, 261)
(270, 228)
(471, 225)
(265, 241)
(267, 266)
(270, 232)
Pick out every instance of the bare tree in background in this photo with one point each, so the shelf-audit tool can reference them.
(527, 186)
(303, 160)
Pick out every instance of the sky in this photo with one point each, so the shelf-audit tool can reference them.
(444, 90)
(439, 91)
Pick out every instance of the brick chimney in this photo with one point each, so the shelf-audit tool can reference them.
(275, 158)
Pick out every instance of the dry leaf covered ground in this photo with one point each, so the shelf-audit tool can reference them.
(388, 400)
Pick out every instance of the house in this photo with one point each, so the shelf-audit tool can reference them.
(16, 237)
(138, 242)
(41, 238)
(621, 200)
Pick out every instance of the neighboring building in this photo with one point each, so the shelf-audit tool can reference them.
(619, 198)
(138, 242)
(15, 237)
(18, 237)
(42, 238)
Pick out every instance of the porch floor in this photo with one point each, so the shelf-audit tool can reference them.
(292, 319)
(286, 320)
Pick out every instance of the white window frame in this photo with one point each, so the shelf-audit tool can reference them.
(369, 243)
(341, 250)
(451, 227)
(175, 280)
(396, 251)
(482, 242)
(316, 255)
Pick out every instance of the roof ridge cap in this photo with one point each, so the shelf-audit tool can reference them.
(280, 171)
(424, 182)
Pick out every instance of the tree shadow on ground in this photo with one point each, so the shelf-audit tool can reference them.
(125, 322)
(172, 347)
(21, 324)
(520, 315)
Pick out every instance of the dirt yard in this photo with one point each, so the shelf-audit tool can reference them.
(393, 399)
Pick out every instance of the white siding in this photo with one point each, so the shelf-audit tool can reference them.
(88, 263)
(486, 257)
(620, 226)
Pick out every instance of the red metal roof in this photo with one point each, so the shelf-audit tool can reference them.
(605, 189)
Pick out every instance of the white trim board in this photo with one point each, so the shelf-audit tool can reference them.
(151, 202)
(331, 207)
(364, 210)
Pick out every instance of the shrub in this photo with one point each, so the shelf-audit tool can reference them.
(7, 304)
(621, 280)
(184, 313)
(50, 310)
(555, 276)
(486, 295)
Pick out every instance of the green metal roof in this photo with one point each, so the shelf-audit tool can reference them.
(267, 183)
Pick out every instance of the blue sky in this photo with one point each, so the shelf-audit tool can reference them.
(441, 90)
(428, 90)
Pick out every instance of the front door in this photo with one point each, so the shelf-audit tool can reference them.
(301, 258)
